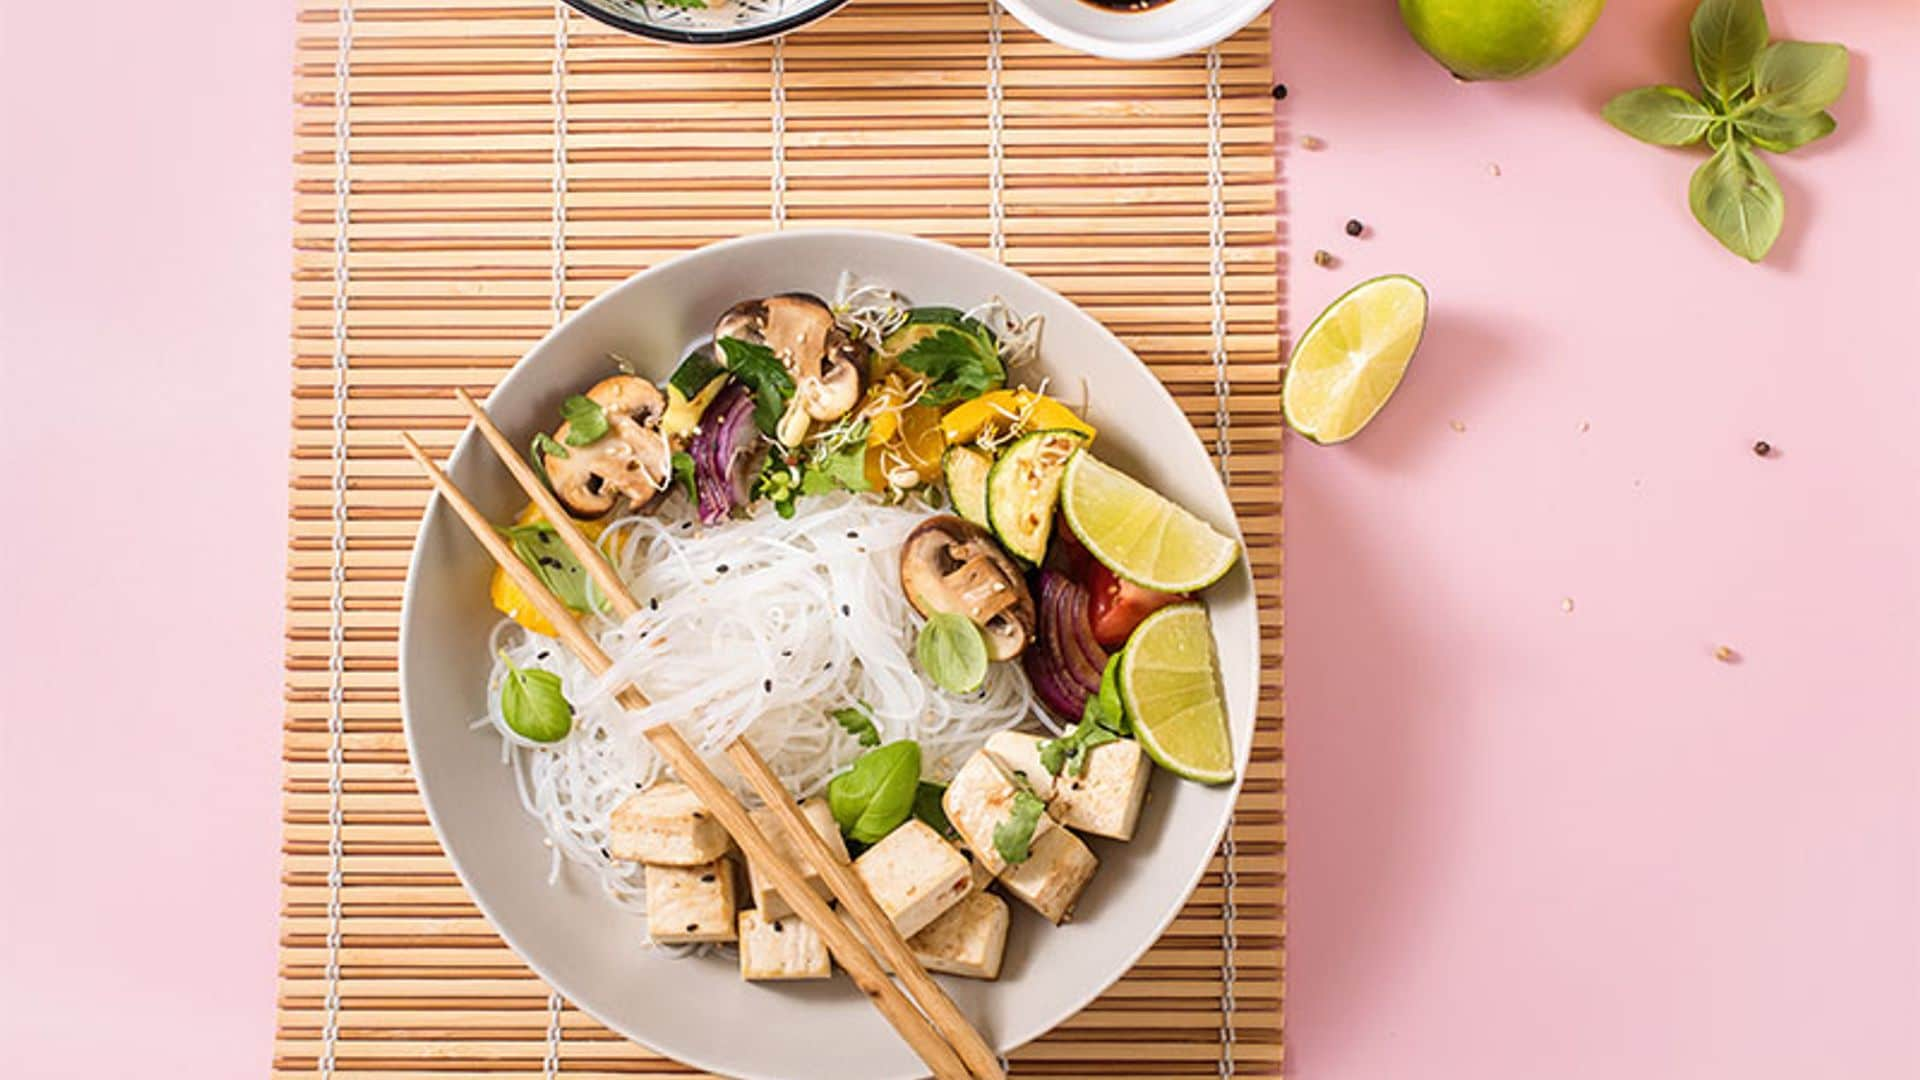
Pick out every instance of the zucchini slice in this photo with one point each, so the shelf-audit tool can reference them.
(1024, 487)
(966, 470)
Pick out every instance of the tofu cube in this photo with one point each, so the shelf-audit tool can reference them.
(774, 949)
(978, 801)
(691, 905)
(666, 825)
(968, 940)
(914, 875)
(1018, 753)
(1058, 867)
(767, 898)
(1106, 801)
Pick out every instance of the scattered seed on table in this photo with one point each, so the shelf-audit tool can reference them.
(1355, 227)
(1279, 91)
(1457, 425)
(1493, 169)
(1725, 655)
(1584, 425)
(1323, 257)
(1763, 448)
(1566, 603)
(1311, 142)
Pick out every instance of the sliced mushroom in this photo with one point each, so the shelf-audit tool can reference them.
(631, 459)
(826, 364)
(950, 564)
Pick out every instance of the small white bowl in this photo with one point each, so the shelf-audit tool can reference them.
(1170, 28)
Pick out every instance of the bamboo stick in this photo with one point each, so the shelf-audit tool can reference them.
(875, 925)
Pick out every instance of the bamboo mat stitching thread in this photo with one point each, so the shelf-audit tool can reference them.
(996, 151)
(550, 1063)
(1223, 448)
(779, 131)
(337, 570)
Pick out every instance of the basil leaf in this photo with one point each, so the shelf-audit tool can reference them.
(1735, 196)
(858, 721)
(1727, 38)
(877, 791)
(586, 421)
(1771, 131)
(1799, 78)
(926, 807)
(533, 705)
(958, 365)
(952, 652)
(694, 373)
(540, 547)
(683, 474)
(1013, 838)
(765, 377)
(1662, 115)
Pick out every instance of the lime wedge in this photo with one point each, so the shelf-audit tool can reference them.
(1138, 533)
(1170, 685)
(1348, 363)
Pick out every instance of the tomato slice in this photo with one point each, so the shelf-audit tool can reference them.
(1118, 605)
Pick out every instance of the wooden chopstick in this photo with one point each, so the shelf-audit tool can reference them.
(874, 924)
(845, 945)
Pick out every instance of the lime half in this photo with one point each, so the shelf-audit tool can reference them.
(1138, 533)
(1170, 685)
(1350, 360)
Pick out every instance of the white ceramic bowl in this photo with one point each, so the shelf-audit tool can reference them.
(733, 22)
(699, 1010)
(1173, 28)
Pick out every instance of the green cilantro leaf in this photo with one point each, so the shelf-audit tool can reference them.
(765, 377)
(959, 365)
(858, 721)
(1013, 838)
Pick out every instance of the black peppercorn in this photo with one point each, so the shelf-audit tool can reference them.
(1355, 227)
(1763, 448)
(1279, 91)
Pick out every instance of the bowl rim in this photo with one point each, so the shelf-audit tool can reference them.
(468, 443)
(1232, 17)
(736, 36)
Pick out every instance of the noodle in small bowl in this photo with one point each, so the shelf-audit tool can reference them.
(764, 624)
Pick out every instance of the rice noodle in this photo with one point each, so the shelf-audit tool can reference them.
(759, 627)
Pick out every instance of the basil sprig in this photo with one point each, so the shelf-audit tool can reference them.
(533, 705)
(1756, 96)
(960, 364)
(1013, 838)
(587, 422)
(877, 792)
(952, 652)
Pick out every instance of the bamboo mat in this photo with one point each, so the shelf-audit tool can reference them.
(469, 170)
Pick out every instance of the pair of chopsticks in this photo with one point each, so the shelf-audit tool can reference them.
(941, 1034)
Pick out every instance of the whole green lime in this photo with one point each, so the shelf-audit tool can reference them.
(1499, 39)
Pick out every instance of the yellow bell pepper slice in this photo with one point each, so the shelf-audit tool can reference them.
(1028, 410)
(507, 598)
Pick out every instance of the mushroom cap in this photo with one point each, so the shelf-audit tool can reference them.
(827, 365)
(950, 564)
(631, 459)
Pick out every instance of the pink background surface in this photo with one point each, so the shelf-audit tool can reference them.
(1525, 842)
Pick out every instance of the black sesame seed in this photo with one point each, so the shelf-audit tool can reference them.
(767, 686)
(786, 652)
(845, 610)
(777, 928)
(1355, 227)
(692, 926)
(829, 666)
(1763, 448)
(1279, 91)
(853, 534)
(697, 815)
(721, 569)
(706, 879)
(542, 655)
(654, 603)
(605, 854)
